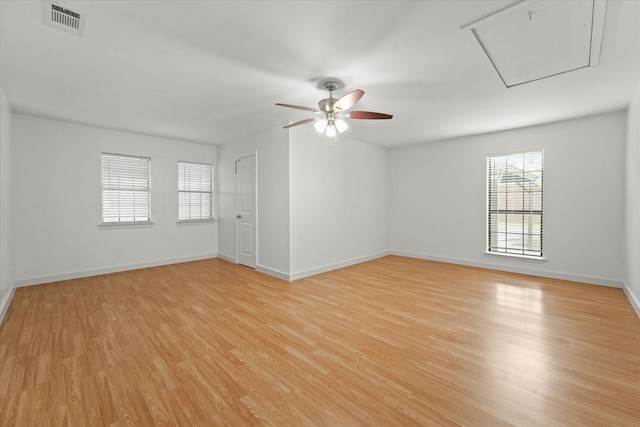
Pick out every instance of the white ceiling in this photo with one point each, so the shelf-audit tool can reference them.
(211, 71)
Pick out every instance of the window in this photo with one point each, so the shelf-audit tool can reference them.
(126, 193)
(195, 192)
(514, 219)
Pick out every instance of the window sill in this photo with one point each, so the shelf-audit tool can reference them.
(119, 225)
(196, 221)
(514, 256)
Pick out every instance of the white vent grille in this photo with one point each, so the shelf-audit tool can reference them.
(65, 17)
(57, 15)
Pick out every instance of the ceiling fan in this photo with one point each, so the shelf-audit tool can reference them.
(332, 111)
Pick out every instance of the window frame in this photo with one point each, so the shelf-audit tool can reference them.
(211, 192)
(144, 189)
(516, 252)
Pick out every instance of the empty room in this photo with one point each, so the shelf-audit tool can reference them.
(320, 213)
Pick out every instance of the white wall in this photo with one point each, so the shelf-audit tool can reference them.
(7, 278)
(272, 150)
(438, 198)
(57, 205)
(319, 208)
(632, 211)
(339, 202)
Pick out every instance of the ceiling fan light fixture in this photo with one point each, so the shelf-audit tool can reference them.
(331, 131)
(341, 125)
(321, 125)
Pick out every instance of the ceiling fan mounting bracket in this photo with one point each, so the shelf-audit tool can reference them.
(330, 84)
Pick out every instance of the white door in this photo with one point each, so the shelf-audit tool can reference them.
(246, 216)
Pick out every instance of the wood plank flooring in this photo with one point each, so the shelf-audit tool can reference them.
(390, 342)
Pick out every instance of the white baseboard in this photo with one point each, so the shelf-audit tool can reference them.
(108, 270)
(4, 304)
(635, 301)
(273, 272)
(633, 298)
(259, 268)
(330, 267)
(530, 271)
(227, 258)
(311, 272)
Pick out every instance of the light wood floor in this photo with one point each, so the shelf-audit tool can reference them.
(394, 341)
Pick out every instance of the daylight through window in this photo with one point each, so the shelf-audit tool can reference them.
(514, 218)
(126, 193)
(195, 191)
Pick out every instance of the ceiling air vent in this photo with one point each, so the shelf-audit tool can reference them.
(59, 16)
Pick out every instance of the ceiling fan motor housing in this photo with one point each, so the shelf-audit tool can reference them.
(326, 105)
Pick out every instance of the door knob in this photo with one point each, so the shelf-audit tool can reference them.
(238, 216)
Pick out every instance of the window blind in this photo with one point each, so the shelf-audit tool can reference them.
(126, 193)
(514, 218)
(195, 191)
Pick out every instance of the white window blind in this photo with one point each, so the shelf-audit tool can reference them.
(514, 218)
(195, 191)
(126, 193)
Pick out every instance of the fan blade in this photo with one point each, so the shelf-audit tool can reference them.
(368, 115)
(297, 107)
(349, 100)
(301, 122)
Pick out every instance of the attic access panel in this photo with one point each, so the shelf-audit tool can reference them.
(533, 40)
